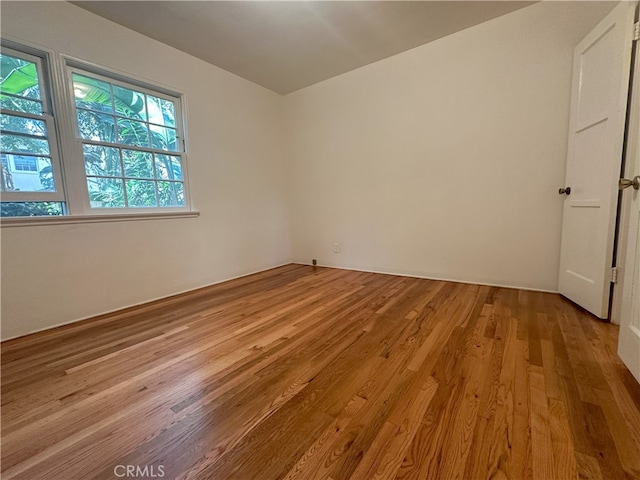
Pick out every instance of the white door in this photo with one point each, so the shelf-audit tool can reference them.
(629, 341)
(601, 68)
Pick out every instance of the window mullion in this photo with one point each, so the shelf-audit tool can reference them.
(31, 116)
(54, 151)
(20, 97)
(25, 135)
(132, 147)
(18, 196)
(182, 137)
(27, 154)
(73, 166)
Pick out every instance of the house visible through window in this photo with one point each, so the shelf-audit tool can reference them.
(127, 154)
(25, 164)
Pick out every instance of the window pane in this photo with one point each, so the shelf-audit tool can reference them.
(11, 123)
(164, 138)
(168, 167)
(134, 133)
(92, 93)
(23, 173)
(171, 194)
(129, 103)
(102, 161)
(19, 77)
(31, 209)
(141, 193)
(96, 126)
(21, 104)
(137, 164)
(18, 143)
(161, 111)
(105, 192)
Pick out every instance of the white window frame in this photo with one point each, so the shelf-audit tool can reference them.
(68, 168)
(72, 67)
(47, 116)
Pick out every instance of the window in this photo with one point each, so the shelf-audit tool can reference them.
(129, 142)
(125, 153)
(27, 139)
(25, 164)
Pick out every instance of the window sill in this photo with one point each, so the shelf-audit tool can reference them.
(113, 217)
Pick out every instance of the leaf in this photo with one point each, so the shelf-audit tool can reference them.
(129, 103)
(19, 79)
(90, 90)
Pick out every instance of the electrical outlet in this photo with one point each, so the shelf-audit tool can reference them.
(314, 262)
(336, 247)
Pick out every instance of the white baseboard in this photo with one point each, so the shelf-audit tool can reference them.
(434, 277)
(145, 302)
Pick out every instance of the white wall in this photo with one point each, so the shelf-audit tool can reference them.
(56, 274)
(443, 161)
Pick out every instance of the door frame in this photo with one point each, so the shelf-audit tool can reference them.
(622, 215)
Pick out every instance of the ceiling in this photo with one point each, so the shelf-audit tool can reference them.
(288, 45)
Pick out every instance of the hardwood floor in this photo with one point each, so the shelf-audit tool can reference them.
(316, 373)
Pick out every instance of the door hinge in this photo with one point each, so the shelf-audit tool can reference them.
(636, 31)
(614, 275)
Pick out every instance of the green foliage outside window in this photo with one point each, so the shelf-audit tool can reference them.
(118, 176)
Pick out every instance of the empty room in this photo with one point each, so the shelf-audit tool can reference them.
(339, 240)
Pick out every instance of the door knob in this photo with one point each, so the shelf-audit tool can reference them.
(565, 191)
(626, 183)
